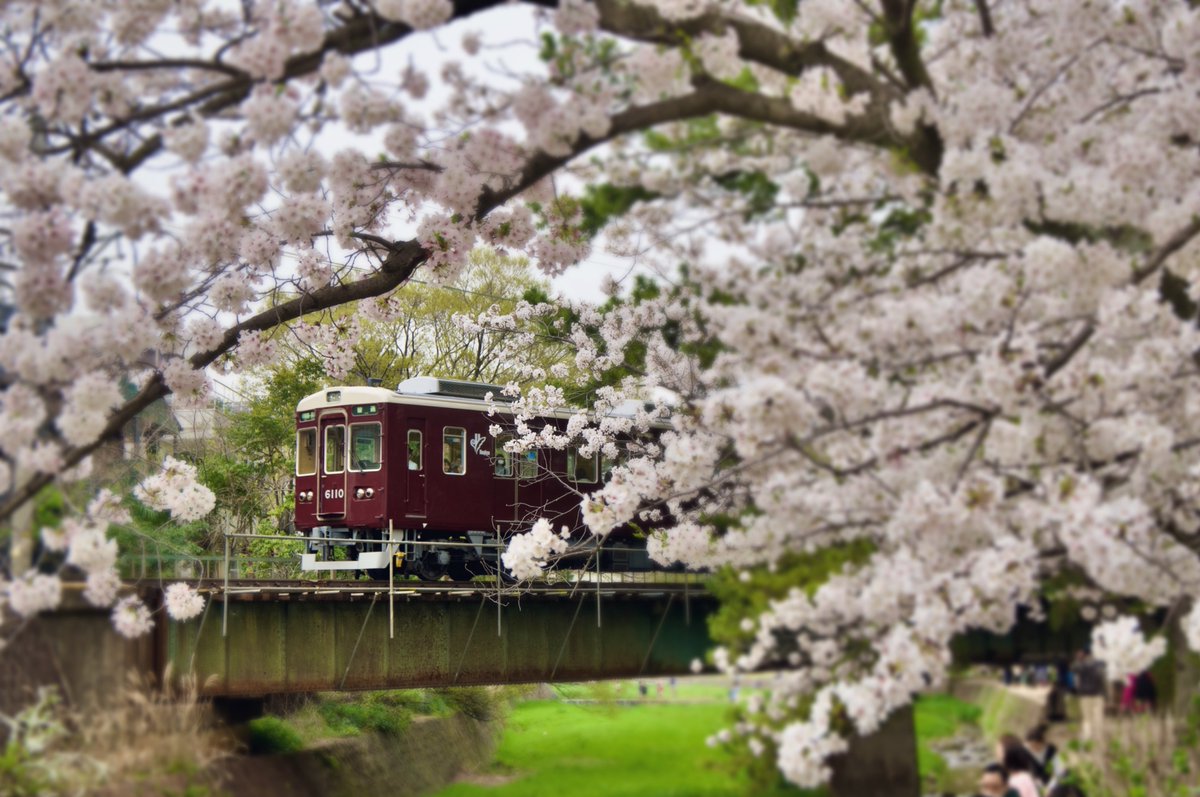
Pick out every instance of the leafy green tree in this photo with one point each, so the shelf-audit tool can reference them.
(417, 331)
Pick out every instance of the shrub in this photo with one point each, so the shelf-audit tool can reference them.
(350, 719)
(272, 735)
(474, 702)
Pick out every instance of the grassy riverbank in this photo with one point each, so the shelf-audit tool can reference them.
(940, 717)
(552, 748)
(603, 740)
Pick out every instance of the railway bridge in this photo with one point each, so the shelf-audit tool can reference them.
(281, 638)
(258, 638)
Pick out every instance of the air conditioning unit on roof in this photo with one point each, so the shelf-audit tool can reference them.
(450, 388)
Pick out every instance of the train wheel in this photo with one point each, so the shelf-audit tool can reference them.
(461, 571)
(430, 569)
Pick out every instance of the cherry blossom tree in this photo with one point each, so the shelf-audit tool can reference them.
(937, 301)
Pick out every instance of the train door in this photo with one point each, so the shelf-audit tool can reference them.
(531, 475)
(331, 484)
(416, 468)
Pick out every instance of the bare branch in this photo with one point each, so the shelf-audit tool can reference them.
(985, 18)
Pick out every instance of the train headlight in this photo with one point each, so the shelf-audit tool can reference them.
(360, 493)
(370, 492)
(308, 496)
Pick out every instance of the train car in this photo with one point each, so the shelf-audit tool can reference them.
(412, 479)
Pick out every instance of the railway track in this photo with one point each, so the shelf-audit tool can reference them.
(290, 589)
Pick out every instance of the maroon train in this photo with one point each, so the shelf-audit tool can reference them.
(418, 466)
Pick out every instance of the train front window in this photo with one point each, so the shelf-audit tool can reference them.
(366, 446)
(454, 451)
(414, 449)
(581, 468)
(335, 449)
(306, 452)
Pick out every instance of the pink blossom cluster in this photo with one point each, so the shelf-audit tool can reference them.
(1123, 648)
(527, 553)
(175, 489)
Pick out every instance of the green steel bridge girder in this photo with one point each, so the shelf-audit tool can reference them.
(287, 646)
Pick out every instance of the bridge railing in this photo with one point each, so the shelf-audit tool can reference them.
(151, 564)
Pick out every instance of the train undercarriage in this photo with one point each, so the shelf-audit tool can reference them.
(462, 556)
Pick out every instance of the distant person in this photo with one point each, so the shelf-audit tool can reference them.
(1019, 764)
(1056, 701)
(1055, 709)
(994, 782)
(1090, 686)
(1145, 693)
(674, 686)
(1047, 764)
(1127, 703)
(659, 689)
(643, 690)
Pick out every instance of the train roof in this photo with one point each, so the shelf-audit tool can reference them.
(428, 391)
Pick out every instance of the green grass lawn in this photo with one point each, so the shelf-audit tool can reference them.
(940, 716)
(655, 749)
(551, 749)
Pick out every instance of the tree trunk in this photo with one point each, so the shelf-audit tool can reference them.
(883, 764)
(1185, 672)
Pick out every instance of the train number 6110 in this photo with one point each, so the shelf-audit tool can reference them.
(332, 494)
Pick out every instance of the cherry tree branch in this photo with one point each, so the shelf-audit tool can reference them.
(756, 42)
(1156, 261)
(402, 260)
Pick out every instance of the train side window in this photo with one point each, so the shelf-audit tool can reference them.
(503, 459)
(581, 468)
(366, 444)
(335, 449)
(306, 452)
(454, 450)
(606, 467)
(527, 464)
(414, 449)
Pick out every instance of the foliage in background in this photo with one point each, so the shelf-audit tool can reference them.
(417, 331)
(748, 593)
